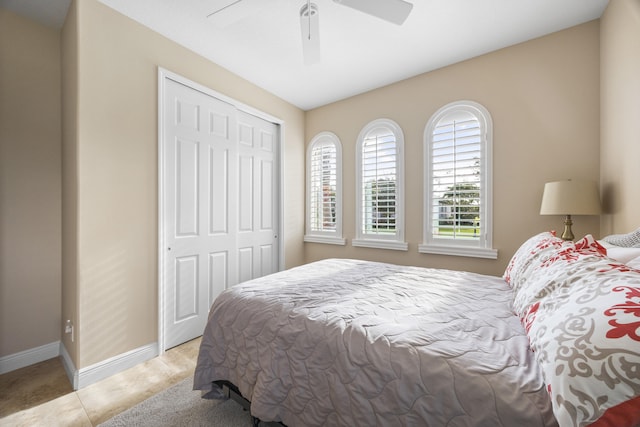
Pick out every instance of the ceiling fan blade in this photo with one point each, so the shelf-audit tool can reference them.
(310, 29)
(224, 13)
(395, 11)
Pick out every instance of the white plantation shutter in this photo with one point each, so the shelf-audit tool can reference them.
(323, 187)
(456, 184)
(379, 169)
(380, 163)
(458, 217)
(324, 190)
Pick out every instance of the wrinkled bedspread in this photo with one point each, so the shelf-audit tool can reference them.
(357, 343)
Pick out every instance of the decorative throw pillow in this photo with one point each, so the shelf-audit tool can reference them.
(525, 255)
(547, 269)
(581, 311)
(629, 240)
(619, 253)
(634, 263)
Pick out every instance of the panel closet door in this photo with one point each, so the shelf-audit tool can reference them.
(258, 218)
(220, 204)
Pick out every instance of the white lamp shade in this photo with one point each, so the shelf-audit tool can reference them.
(570, 198)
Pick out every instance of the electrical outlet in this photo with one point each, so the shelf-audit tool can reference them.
(68, 328)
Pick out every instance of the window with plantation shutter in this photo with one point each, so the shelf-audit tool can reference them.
(457, 149)
(380, 182)
(324, 190)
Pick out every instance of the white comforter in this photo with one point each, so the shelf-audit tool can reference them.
(356, 343)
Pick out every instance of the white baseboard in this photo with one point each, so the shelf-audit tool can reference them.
(29, 357)
(101, 370)
(69, 367)
(85, 376)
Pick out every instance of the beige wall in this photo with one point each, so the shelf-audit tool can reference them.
(620, 116)
(117, 174)
(30, 211)
(543, 96)
(69, 85)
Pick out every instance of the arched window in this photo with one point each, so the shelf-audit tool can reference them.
(458, 182)
(324, 190)
(380, 186)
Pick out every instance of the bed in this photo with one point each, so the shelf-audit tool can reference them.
(343, 342)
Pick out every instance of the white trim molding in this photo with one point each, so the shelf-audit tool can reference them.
(85, 376)
(325, 239)
(29, 357)
(69, 367)
(101, 370)
(380, 244)
(467, 251)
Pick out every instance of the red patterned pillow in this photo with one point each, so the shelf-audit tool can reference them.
(527, 253)
(581, 311)
(544, 250)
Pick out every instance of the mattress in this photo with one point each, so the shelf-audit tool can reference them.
(354, 343)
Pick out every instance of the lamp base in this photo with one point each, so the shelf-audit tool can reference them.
(567, 234)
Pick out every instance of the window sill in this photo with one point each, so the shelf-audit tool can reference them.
(380, 244)
(467, 251)
(328, 240)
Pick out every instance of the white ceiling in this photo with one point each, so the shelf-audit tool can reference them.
(48, 12)
(260, 40)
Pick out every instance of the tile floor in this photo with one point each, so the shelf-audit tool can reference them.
(41, 395)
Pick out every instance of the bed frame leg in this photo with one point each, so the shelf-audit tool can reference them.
(233, 393)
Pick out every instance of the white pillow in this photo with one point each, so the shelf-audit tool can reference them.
(619, 253)
(634, 263)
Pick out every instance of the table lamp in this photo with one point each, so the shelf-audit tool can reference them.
(570, 198)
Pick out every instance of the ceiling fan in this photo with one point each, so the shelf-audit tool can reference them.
(394, 11)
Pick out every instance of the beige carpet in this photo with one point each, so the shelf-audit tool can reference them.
(181, 406)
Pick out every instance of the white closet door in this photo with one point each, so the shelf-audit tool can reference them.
(258, 217)
(220, 213)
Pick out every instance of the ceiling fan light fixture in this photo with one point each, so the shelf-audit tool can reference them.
(310, 28)
(304, 10)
